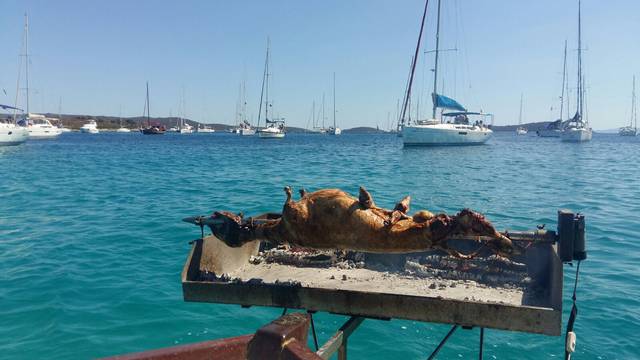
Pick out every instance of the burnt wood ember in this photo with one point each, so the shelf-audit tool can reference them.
(333, 219)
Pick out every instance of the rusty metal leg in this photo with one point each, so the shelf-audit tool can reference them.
(437, 350)
(481, 343)
(342, 351)
(338, 342)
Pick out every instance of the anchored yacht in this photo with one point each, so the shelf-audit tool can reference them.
(90, 128)
(434, 132)
(10, 133)
(39, 127)
(577, 128)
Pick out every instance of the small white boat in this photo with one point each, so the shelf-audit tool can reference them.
(632, 129)
(521, 130)
(205, 130)
(39, 127)
(123, 130)
(90, 128)
(185, 129)
(64, 129)
(334, 131)
(274, 130)
(247, 131)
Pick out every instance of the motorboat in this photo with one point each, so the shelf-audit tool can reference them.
(90, 128)
(39, 127)
(204, 130)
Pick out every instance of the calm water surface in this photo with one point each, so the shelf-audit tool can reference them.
(91, 242)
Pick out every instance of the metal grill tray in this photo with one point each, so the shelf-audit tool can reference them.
(535, 307)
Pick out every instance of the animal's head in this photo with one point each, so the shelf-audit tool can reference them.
(228, 228)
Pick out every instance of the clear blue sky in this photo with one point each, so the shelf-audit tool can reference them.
(97, 55)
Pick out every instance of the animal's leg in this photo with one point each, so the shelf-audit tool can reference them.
(365, 199)
(395, 216)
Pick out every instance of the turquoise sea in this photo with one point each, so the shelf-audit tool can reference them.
(91, 242)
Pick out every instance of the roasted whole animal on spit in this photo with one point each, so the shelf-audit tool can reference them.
(333, 219)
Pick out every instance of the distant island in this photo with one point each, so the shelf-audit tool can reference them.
(74, 122)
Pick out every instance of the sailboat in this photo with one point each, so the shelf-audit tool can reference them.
(521, 130)
(632, 129)
(184, 127)
(434, 132)
(334, 130)
(275, 127)
(554, 128)
(122, 129)
(151, 129)
(577, 128)
(10, 133)
(39, 126)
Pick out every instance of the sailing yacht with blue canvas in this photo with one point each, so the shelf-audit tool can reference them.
(457, 129)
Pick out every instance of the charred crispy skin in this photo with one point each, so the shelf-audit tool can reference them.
(333, 219)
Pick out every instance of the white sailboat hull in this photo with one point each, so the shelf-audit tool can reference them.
(123, 130)
(444, 134)
(247, 132)
(576, 134)
(12, 135)
(270, 135)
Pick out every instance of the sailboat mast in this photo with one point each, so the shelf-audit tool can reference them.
(580, 104)
(520, 117)
(435, 69)
(26, 58)
(322, 111)
(633, 106)
(266, 71)
(564, 77)
(264, 76)
(405, 103)
(148, 116)
(334, 101)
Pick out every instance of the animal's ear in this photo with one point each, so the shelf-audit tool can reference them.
(403, 205)
(287, 190)
(365, 199)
